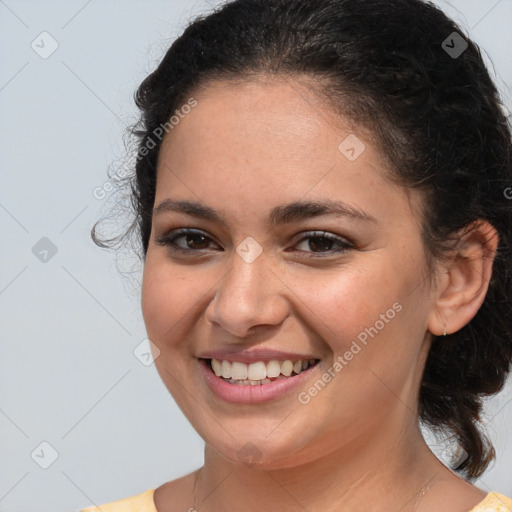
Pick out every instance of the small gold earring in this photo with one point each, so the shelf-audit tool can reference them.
(444, 333)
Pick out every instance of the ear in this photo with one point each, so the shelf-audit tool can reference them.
(464, 280)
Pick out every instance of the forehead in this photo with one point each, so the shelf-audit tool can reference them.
(248, 115)
(252, 143)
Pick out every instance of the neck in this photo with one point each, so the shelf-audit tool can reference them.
(356, 477)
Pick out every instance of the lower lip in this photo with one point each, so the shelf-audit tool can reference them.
(240, 394)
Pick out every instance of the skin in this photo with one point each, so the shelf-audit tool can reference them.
(244, 149)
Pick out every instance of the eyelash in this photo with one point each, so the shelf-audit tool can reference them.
(169, 241)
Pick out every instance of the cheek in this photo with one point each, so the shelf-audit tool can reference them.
(166, 302)
(349, 299)
(165, 299)
(373, 312)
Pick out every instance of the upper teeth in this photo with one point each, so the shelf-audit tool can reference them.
(259, 370)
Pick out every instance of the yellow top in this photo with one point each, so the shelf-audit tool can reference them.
(139, 503)
(143, 502)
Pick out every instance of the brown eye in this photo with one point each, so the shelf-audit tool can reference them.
(193, 240)
(320, 242)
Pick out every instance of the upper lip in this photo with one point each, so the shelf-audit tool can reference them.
(252, 356)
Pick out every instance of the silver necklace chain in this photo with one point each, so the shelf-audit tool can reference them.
(194, 491)
(424, 491)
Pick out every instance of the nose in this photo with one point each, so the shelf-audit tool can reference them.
(248, 297)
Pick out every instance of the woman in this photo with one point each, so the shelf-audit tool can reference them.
(321, 204)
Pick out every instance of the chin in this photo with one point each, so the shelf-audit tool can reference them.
(259, 453)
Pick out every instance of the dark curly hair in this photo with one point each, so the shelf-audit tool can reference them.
(436, 117)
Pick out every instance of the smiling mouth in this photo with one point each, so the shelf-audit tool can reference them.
(259, 372)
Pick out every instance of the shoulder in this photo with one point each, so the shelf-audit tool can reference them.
(142, 502)
(177, 492)
(494, 502)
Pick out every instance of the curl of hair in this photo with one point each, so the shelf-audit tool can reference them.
(437, 120)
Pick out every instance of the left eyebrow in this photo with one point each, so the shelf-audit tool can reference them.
(279, 215)
(302, 210)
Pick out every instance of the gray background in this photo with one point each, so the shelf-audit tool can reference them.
(70, 324)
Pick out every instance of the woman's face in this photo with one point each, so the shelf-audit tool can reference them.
(260, 284)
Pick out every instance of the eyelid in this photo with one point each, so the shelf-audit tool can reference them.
(322, 234)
